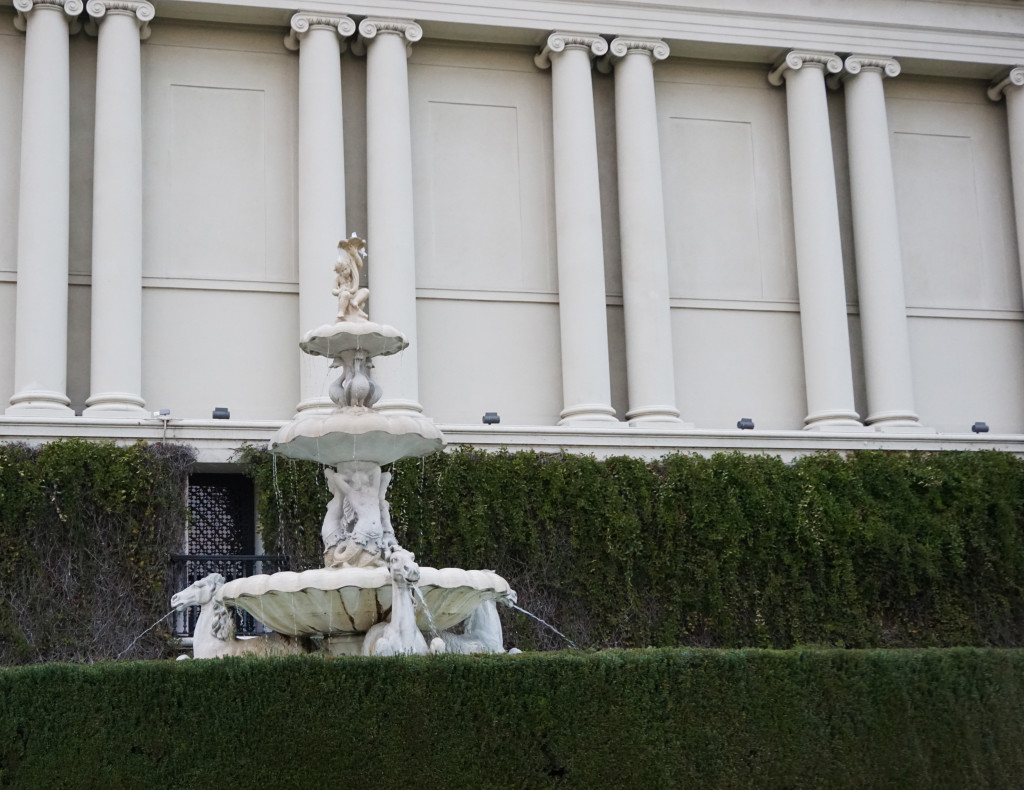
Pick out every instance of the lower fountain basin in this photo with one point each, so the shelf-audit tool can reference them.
(357, 434)
(345, 601)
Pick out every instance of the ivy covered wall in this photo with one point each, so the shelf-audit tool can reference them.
(873, 549)
(86, 530)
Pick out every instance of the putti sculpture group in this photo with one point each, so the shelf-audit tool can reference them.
(370, 597)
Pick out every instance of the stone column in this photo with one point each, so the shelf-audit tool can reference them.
(41, 322)
(582, 306)
(116, 371)
(650, 365)
(319, 39)
(826, 338)
(389, 238)
(876, 234)
(1011, 87)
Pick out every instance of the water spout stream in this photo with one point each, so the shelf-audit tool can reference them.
(136, 639)
(542, 622)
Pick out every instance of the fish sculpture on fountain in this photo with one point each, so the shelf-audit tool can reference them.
(367, 577)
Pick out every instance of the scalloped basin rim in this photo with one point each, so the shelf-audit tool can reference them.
(337, 601)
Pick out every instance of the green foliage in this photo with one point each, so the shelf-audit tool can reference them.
(872, 549)
(638, 719)
(85, 533)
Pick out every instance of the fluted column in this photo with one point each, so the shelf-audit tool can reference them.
(876, 234)
(1011, 87)
(41, 322)
(819, 259)
(582, 306)
(650, 365)
(319, 39)
(389, 207)
(116, 364)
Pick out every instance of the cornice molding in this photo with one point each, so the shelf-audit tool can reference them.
(559, 41)
(1014, 79)
(304, 21)
(141, 10)
(796, 59)
(71, 9)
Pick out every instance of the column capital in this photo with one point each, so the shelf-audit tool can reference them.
(141, 10)
(654, 48)
(1013, 79)
(372, 27)
(890, 67)
(71, 8)
(304, 21)
(796, 59)
(559, 41)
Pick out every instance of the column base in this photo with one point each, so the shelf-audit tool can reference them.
(404, 406)
(40, 403)
(319, 405)
(584, 414)
(656, 416)
(838, 420)
(896, 422)
(116, 406)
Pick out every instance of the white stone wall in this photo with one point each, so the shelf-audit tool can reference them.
(220, 216)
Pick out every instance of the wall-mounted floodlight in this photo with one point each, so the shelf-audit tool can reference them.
(745, 424)
(980, 427)
(163, 414)
(491, 418)
(221, 413)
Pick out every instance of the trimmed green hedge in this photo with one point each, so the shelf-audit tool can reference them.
(872, 549)
(618, 719)
(85, 533)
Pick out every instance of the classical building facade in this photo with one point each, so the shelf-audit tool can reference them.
(621, 226)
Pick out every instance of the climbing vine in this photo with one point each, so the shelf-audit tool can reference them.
(85, 533)
(871, 549)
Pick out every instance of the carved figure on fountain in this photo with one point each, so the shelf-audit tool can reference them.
(351, 297)
(357, 529)
(401, 635)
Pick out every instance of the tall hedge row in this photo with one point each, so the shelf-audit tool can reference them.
(85, 533)
(674, 718)
(871, 549)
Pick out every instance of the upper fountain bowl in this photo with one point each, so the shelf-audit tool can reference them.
(331, 340)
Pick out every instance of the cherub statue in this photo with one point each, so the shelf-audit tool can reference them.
(357, 527)
(351, 297)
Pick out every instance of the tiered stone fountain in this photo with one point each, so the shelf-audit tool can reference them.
(370, 596)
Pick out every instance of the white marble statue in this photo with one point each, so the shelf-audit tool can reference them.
(351, 297)
(357, 527)
(215, 629)
(401, 635)
(482, 632)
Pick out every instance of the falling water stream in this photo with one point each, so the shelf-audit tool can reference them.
(542, 622)
(136, 639)
(426, 611)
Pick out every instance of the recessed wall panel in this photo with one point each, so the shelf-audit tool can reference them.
(739, 363)
(218, 193)
(726, 184)
(475, 198)
(967, 370)
(7, 302)
(481, 130)
(220, 134)
(954, 196)
(939, 220)
(711, 197)
(496, 356)
(12, 59)
(237, 349)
